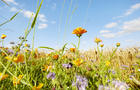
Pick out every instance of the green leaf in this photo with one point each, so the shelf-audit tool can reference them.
(4, 23)
(10, 19)
(74, 45)
(46, 48)
(63, 48)
(14, 16)
(34, 21)
(5, 2)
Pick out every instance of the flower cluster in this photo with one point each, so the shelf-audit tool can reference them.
(16, 80)
(81, 83)
(19, 58)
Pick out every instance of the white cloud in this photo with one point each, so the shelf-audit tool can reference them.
(104, 31)
(126, 27)
(111, 25)
(130, 26)
(109, 35)
(42, 26)
(13, 9)
(28, 14)
(12, 1)
(132, 9)
(42, 18)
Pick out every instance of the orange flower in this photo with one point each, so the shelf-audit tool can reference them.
(97, 40)
(3, 36)
(48, 55)
(79, 31)
(33, 63)
(2, 77)
(19, 58)
(56, 57)
(117, 44)
(72, 49)
(16, 80)
(78, 62)
(38, 87)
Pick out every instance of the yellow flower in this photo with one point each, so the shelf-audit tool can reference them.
(3, 36)
(8, 58)
(36, 50)
(79, 31)
(117, 44)
(19, 58)
(107, 63)
(2, 77)
(38, 87)
(17, 80)
(72, 49)
(97, 40)
(102, 45)
(78, 62)
(46, 67)
(26, 45)
(64, 57)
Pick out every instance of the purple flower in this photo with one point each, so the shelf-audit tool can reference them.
(116, 85)
(125, 66)
(120, 85)
(51, 75)
(10, 51)
(138, 56)
(67, 65)
(112, 71)
(81, 83)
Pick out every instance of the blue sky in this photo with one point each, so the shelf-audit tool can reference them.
(111, 20)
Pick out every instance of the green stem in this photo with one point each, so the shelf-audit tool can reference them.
(16, 51)
(77, 53)
(113, 53)
(2, 43)
(15, 76)
(78, 43)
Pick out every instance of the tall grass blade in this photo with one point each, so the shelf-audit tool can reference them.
(34, 21)
(46, 48)
(63, 48)
(5, 2)
(10, 19)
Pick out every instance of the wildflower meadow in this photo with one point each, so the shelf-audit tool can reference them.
(24, 67)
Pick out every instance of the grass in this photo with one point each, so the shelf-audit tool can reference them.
(23, 68)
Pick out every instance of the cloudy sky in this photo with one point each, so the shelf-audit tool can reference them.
(111, 20)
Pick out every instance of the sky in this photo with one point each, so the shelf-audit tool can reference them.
(111, 20)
